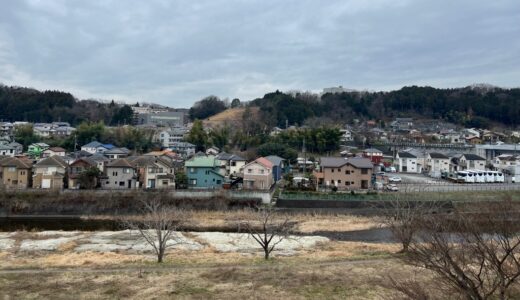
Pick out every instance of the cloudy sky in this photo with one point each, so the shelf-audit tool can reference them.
(177, 52)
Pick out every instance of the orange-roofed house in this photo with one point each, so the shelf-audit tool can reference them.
(258, 174)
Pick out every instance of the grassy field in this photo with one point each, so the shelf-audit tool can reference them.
(336, 270)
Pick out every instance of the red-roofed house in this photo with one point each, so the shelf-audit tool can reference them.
(258, 174)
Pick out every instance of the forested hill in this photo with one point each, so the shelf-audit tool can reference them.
(23, 104)
(471, 106)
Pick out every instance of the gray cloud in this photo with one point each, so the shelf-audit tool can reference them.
(176, 52)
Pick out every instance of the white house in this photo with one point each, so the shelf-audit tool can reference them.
(471, 161)
(230, 164)
(52, 151)
(407, 163)
(437, 163)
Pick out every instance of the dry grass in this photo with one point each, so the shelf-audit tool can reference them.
(231, 116)
(306, 222)
(72, 259)
(363, 280)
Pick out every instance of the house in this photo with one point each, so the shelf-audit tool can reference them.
(36, 149)
(345, 173)
(437, 163)
(280, 167)
(76, 169)
(116, 153)
(258, 174)
(15, 173)
(100, 160)
(212, 150)
(183, 148)
(407, 163)
(375, 155)
(203, 172)
(473, 140)
(6, 150)
(471, 161)
(119, 174)
(18, 148)
(96, 147)
(52, 151)
(230, 164)
(402, 124)
(153, 172)
(49, 173)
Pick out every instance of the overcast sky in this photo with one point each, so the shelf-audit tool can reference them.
(177, 52)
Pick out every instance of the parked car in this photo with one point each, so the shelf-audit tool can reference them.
(391, 169)
(394, 179)
(392, 188)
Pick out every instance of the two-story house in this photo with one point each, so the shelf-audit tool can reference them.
(16, 173)
(470, 161)
(49, 173)
(116, 153)
(258, 174)
(76, 170)
(230, 164)
(437, 163)
(52, 151)
(119, 174)
(345, 173)
(6, 150)
(153, 172)
(406, 162)
(204, 172)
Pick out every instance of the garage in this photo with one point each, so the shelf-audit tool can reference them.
(46, 183)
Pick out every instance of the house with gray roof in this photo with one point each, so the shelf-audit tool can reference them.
(120, 174)
(230, 164)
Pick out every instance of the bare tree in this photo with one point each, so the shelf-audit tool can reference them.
(476, 254)
(268, 227)
(404, 214)
(157, 225)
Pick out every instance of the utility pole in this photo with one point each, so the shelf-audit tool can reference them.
(304, 157)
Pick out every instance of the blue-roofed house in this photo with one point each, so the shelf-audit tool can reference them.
(96, 147)
(280, 166)
(203, 172)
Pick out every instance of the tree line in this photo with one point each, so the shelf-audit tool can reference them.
(469, 106)
(24, 104)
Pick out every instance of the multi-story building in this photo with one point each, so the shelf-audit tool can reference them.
(119, 174)
(258, 174)
(49, 173)
(204, 172)
(16, 173)
(345, 173)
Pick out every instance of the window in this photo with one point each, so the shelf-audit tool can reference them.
(193, 181)
(114, 173)
(11, 169)
(262, 171)
(219, 181)
(126, 170)
(249, 171)
(347, 182)
(332, 171)
(339, 181)
(233, 163)
(339, 170)
(332, 181)
(192, 170)
(207, 172)
(121, 183)
(364, 171)
(165, 182)
(347, 172)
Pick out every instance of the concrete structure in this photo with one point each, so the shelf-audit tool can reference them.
(119, 174)
(49, 173)
(345, 173)
(171, 136)
(258, 174)
(489, 152)
(165, 118)
(15, 173)
(203, 172)
(183, 148)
